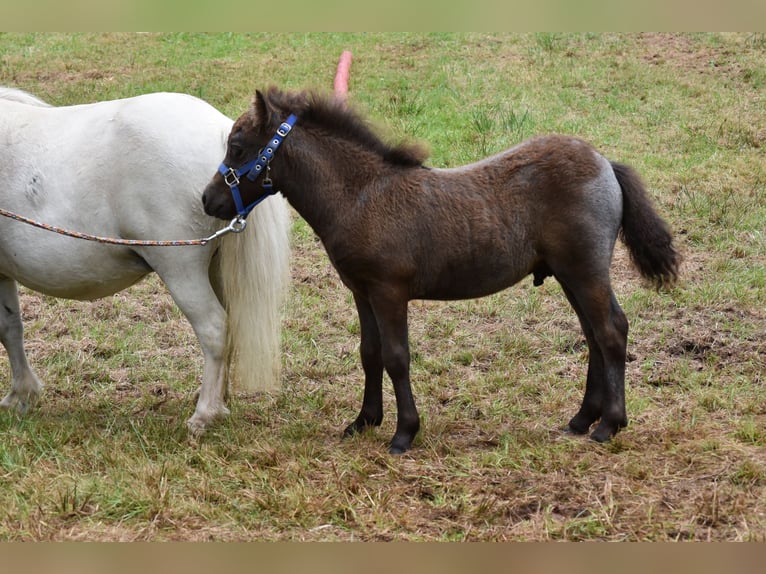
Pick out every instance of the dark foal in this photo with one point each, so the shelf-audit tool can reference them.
(396, 230)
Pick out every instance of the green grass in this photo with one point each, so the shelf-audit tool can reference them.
(105, 456)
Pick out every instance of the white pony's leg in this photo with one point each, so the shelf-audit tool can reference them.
(25, 386)
(188, 282)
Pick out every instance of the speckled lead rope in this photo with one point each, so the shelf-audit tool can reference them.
(235, 226)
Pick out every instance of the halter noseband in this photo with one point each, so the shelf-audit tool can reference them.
(254, 168)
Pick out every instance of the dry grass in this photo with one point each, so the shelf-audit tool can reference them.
(105, 456)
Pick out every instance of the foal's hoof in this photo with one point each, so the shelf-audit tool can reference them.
(400, 445)
(360, 425)
(605, 431)
(350, 430)
(580, 423)
(569, 429)
(601, 437)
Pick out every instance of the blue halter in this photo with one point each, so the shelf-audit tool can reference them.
(254, 168)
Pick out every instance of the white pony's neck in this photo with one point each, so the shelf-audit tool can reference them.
(22, 97)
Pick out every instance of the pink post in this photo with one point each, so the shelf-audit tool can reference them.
(341, 76)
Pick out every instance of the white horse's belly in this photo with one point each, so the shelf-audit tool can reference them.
(69, 272)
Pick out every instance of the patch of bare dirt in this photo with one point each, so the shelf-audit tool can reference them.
(684, 52)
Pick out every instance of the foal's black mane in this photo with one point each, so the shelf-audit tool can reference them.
(336, 117)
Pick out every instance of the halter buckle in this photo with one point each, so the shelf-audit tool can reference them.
(231, 178)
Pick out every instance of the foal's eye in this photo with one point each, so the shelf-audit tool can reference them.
(236, 152)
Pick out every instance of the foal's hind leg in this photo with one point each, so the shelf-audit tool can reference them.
(590, 411)
(372, 363)
(25, 386)
(606, 330)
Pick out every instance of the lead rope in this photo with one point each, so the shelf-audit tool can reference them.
(236, 225)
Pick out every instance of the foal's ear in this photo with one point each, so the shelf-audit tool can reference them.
(260, 114)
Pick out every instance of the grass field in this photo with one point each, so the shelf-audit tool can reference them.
(105, 455)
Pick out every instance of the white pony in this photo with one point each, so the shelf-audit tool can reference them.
(135, 168)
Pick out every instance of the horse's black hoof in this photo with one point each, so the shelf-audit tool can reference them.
(400, 445)
(604, 433)
(397, 450)
(569, 429)
(359, 426)
(352, 430)
(579, 424)
(606, 430)
(601, 437)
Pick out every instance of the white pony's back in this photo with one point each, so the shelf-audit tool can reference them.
(21, 97)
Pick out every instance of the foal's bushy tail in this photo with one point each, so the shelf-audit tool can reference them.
(645, 233)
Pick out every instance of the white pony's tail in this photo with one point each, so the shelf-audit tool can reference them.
(255, 276)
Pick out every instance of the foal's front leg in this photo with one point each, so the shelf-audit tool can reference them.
(372, 363)
(391, 315)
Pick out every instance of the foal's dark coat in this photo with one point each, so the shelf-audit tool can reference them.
(396, 230)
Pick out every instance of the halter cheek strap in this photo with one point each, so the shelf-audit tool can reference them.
(256, 167)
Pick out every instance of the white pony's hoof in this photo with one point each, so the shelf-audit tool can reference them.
(19, 402)
(199, 422)
(196, 428)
